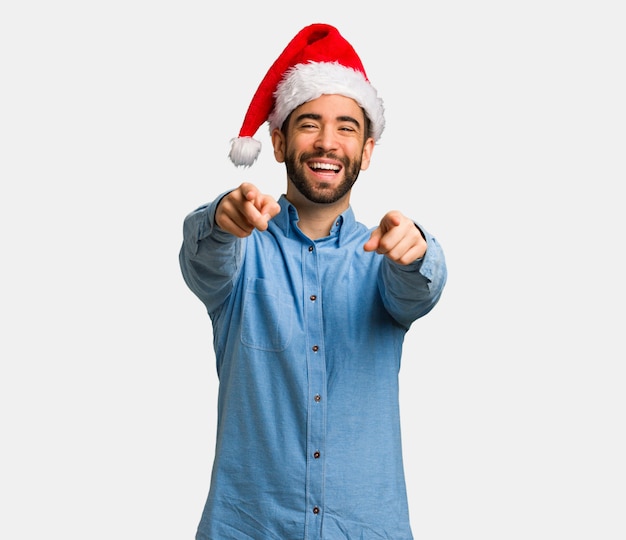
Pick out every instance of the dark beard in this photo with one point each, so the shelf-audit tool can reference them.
(325, 195)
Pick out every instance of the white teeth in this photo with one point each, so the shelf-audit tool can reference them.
(326, 166)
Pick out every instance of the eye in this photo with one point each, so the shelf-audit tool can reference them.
(307, 126)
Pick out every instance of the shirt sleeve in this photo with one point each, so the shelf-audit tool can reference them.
(210, 258)
(411, 291)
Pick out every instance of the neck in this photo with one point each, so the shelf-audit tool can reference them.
(317, 219)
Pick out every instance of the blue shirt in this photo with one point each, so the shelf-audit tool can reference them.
(308, 338)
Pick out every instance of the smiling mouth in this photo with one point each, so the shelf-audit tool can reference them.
(324, 167)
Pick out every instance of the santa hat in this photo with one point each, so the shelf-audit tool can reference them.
(317, 61)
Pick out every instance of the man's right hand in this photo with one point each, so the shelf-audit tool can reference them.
(245, 209)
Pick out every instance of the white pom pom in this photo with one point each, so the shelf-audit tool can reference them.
(244, 151)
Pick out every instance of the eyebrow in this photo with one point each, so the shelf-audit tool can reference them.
(313, 116)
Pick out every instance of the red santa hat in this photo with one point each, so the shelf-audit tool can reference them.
(317, 61)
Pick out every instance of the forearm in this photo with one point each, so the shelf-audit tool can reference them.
(209, 257)
(411, 291)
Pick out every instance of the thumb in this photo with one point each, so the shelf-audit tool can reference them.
(374, 240)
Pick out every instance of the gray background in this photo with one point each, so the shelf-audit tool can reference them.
(505, 137)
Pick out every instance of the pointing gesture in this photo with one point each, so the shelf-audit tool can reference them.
(245, 209)
(398, 238)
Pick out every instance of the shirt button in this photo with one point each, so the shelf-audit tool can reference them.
(317, 398)
(316, 510)
(313, 298)
(316, 455)
(315, 348)
(310, 248)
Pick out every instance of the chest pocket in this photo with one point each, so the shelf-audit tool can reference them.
(268, 316)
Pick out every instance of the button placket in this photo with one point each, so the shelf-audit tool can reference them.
(316, 371)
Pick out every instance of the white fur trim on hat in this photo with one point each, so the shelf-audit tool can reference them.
(306, 82)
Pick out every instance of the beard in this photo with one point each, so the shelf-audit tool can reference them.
(322, 193)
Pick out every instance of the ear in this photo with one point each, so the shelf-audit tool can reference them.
(278, 142)
(366, 155)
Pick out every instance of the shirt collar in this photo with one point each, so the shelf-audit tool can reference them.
(287, 220)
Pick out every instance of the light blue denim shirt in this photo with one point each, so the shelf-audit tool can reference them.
(308, 338)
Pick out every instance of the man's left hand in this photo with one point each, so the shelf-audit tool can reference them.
(398, 238)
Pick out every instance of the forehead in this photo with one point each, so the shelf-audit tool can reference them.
(330, 106)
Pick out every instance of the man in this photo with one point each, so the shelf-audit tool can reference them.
(309, 311)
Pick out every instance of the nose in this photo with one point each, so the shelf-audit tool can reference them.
(326, 140)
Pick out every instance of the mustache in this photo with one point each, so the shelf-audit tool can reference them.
(328, 155)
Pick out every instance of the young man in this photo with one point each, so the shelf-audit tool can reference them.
(309, 311)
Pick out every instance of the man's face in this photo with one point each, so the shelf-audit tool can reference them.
(325, 148)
